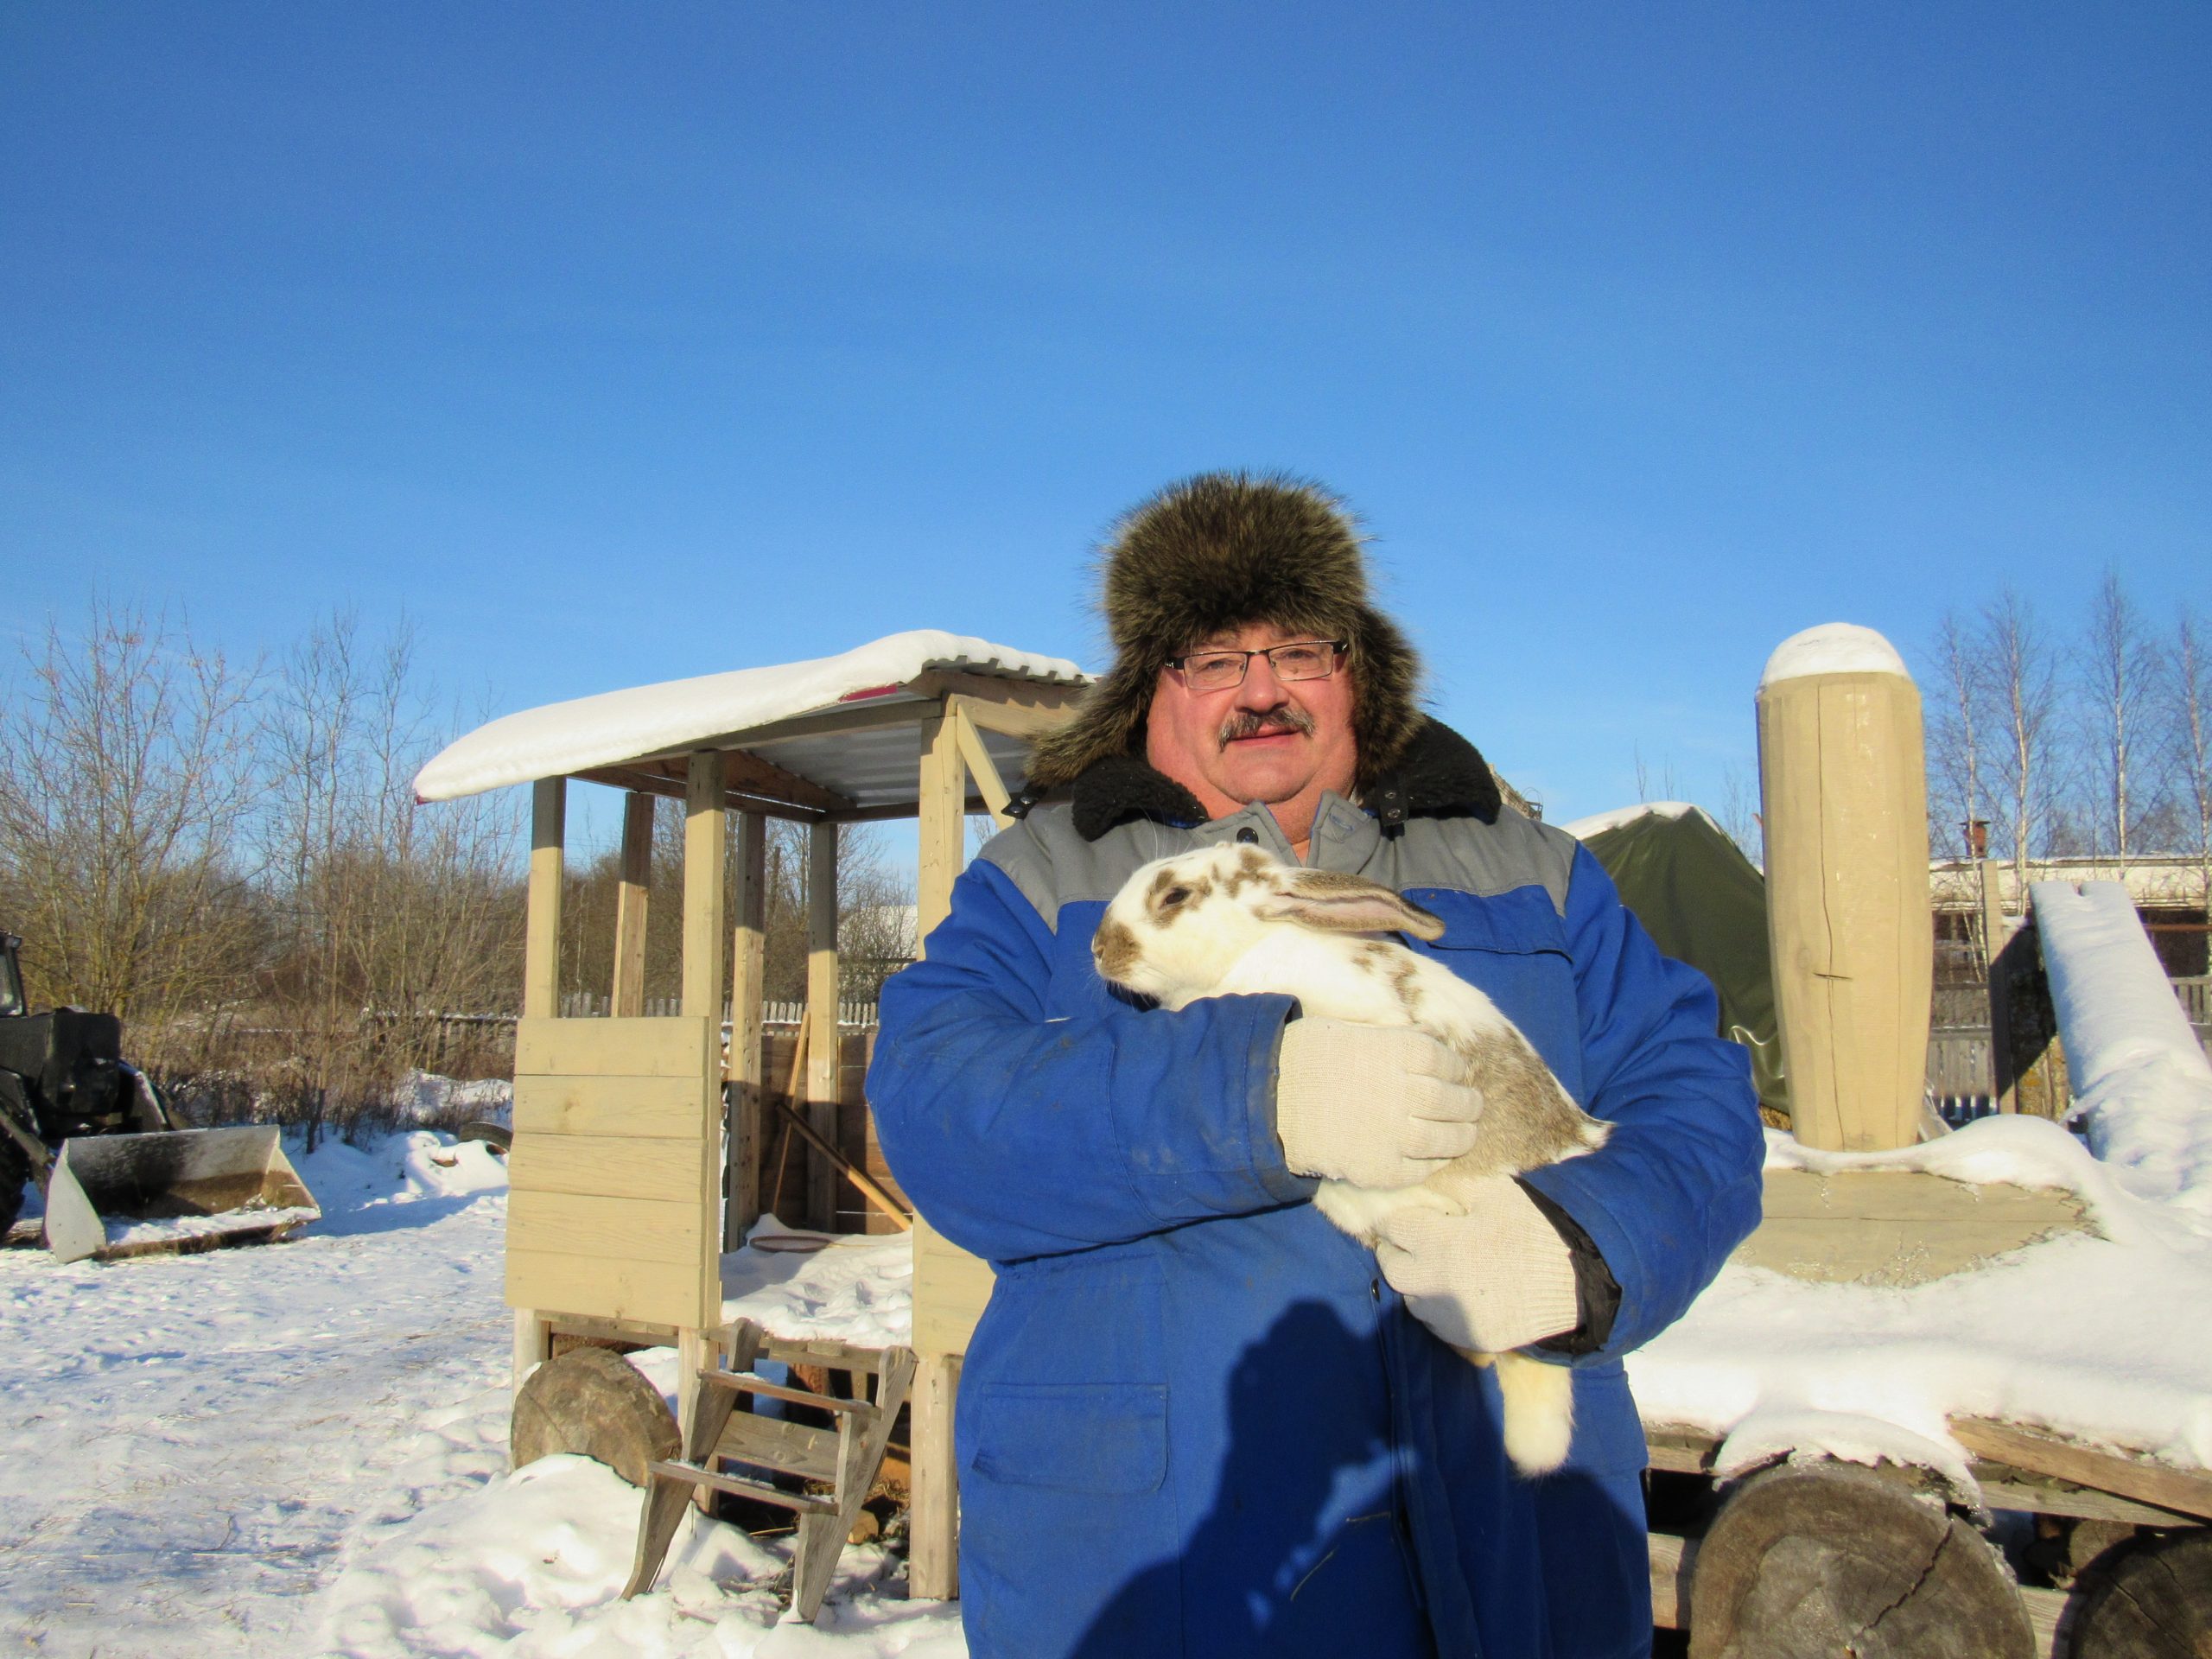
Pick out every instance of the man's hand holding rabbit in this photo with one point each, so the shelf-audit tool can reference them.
(1377, 1106)
(1494, 1278)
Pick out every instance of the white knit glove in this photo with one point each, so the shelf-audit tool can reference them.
(1496, 1278)
(1374, 1105)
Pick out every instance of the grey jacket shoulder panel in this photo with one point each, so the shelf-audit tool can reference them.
(1050, 863)
(1473, 856)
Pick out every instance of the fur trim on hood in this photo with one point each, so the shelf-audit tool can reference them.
(1215, 552)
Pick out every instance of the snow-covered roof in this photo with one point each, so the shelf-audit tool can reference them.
(824, 766)
(1598, 822)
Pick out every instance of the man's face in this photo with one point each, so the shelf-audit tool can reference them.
(1283, 743)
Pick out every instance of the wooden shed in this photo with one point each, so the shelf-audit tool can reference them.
(637, 1141)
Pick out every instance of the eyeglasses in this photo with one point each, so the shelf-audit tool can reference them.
(1221, 671)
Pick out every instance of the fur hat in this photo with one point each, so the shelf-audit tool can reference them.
(1211, 554)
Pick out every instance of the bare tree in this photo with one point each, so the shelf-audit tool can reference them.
(1739, 813)
(126, 775)
(2026, 693)
(2119, 671)
(1955, 724)
(390, 918)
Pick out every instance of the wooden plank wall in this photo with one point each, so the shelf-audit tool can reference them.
(855, 1137)
(614, 1138)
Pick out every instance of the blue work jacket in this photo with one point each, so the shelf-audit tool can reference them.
(1195, 1420)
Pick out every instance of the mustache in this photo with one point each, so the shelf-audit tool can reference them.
(1248, 722)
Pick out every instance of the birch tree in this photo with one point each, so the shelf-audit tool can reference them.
(2119, 670)
(2026, 693)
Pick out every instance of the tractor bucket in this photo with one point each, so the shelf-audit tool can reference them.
(196, 1189)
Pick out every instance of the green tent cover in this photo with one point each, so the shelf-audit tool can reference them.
(1705, 904)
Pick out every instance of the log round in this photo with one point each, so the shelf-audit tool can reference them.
(1807, 1561)
(595, 1403)
(2152, 1600)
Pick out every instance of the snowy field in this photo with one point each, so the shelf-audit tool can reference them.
(301, 1448)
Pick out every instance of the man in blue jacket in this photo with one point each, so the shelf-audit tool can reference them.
(1196, 1419)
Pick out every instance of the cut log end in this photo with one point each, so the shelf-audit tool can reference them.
(594, 1403)
(1809, 1561)
(2152, 1600)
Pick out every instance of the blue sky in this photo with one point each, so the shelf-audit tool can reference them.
(615, 344)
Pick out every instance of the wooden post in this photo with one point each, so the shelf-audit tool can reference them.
(748, 958)
(980, 765)
(541, 985)
(822, 1054)
(1843, 784)
(941, 823)
(1995, 935)
(933, 1539)
(541, 970)
(631, 896)
(704, 932)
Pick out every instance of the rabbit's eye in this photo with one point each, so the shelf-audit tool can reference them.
(1173, 897)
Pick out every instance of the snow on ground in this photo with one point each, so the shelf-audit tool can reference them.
(858, 1289)
(301, 1448)
(190, 1440)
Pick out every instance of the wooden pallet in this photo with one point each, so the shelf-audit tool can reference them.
(844, 1458)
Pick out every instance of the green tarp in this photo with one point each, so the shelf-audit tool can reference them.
(1705, 904)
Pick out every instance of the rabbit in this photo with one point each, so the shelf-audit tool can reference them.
(1233, 919)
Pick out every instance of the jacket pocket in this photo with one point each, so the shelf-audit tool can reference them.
(1078, 1437)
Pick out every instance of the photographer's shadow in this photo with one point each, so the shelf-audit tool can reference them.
(1261, 1574)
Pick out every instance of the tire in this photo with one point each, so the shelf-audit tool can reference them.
(15, 1170)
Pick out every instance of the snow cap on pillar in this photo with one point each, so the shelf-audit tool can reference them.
(1833, 648)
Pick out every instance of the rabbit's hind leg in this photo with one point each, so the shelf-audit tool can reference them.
(1539, 1412)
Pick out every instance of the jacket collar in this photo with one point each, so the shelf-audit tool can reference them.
(1440, 775)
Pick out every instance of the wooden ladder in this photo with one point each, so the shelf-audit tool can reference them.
(846, 1458)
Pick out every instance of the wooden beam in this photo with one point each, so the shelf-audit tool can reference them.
(1005, 700)
(944, 828)
(933, 1522)
(979, 762)
(892, 811)
(823, 1055)
(870, 1187)
(747, 971)
(633, 894)
(705, 934)
(704, 833)
(675, 789)
(2180, 1491)
(541, 972)
(743, 774)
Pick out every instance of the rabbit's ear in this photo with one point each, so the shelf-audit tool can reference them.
(1345, 903)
